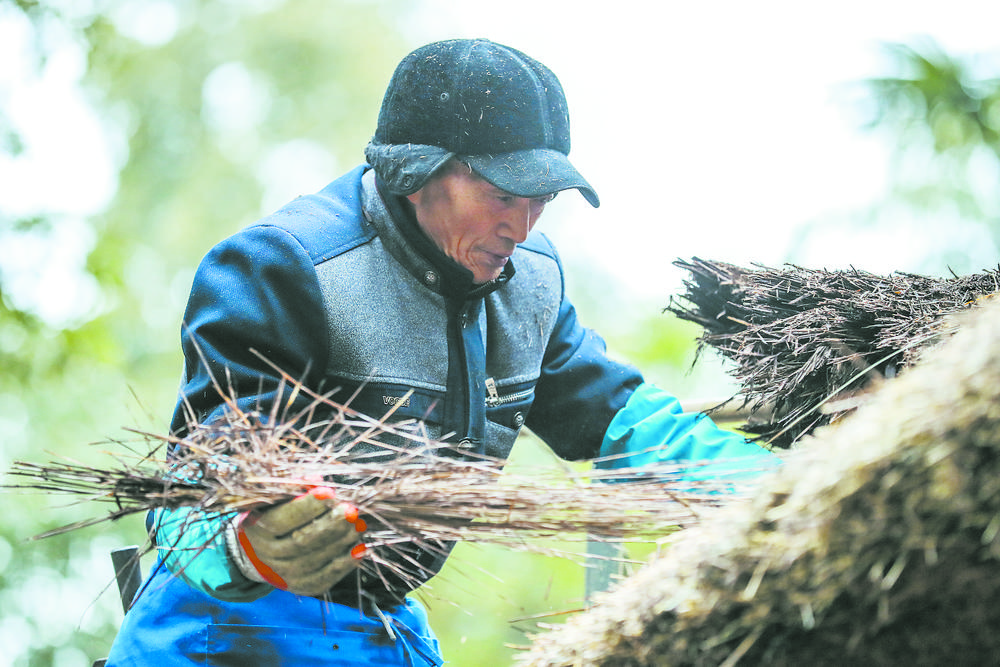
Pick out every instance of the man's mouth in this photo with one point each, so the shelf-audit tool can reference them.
(498, 258)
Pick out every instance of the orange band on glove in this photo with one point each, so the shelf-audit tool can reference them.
(350, 513)
(266, 573)
(322, 493)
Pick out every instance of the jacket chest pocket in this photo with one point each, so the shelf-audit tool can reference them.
(507, 405)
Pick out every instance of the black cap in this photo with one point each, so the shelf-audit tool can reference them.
(496, 108)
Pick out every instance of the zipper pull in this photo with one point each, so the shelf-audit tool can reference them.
(491, 389)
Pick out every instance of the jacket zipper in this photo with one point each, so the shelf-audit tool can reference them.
(494, 399)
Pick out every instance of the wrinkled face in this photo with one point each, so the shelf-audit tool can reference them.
(473, 222)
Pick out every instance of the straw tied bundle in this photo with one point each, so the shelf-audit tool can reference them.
(877, 542)
(809, 344)
(419, 493)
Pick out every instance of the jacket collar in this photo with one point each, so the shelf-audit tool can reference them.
(397, 227)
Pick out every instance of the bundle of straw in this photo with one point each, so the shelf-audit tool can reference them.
(877, 542)
(423, 493)
(807, 344)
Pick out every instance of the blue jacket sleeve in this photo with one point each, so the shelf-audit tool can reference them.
(653, 428)
(255, 293)
(580, 388)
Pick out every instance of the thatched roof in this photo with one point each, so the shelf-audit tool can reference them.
(876, 543)
(805, 342)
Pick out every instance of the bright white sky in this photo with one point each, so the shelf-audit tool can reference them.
(708, 128)
(717, 128)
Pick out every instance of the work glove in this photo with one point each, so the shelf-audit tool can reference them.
(304, 546)
(653, 428)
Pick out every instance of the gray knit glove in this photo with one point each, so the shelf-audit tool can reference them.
(304, 546)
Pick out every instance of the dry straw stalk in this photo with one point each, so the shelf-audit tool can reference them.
(419, 492)
(807, 344)
(876, 543)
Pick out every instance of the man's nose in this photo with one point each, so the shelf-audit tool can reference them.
(519, 220)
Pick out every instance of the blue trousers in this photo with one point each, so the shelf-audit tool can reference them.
(170, 623)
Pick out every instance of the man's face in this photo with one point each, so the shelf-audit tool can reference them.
(473, 222)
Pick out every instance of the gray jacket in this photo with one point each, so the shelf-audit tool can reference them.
(342, 290)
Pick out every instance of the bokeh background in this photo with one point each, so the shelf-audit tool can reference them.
(134, 134)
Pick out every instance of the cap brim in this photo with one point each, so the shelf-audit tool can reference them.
(532, 173)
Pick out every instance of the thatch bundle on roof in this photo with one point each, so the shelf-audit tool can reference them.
(806, 343)
(876, 543)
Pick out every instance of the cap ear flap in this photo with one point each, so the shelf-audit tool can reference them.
(404, 168)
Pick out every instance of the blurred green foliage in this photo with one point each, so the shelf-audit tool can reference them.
(940, 97)
(939, 114)
(943, 116)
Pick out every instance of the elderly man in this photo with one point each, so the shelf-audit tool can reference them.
(414, 281)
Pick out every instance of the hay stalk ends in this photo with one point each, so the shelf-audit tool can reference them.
(413, 490)
(808, 345)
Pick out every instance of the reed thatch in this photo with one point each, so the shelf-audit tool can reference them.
(876, 543)
(807, 344)
(413, 491)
